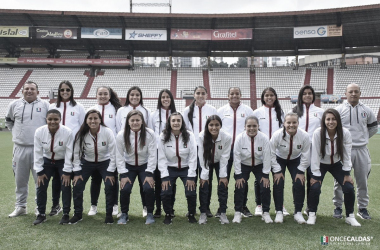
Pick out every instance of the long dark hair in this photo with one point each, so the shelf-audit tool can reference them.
(339, 132)
(208, 143)
(299, 108)
(283, 129)
(114, 99)
(141, 98)
(84, 129)
(276, 104)
(127, 130)
(168, 129)
(191, 107)
(59, 98)
(159, 104)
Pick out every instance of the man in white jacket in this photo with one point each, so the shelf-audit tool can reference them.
(361, 122)
(23, 117)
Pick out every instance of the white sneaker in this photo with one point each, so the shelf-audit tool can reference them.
(202, 219)
(237, 217)
(352, 221)
(284, 212)
(18, 211)
(119, 215)
(312, 218)
(258, 210)
(279, 217)
(299, 218)
(93, 210)
(266, 217)
(223, 219)
(145, 211)
(115, 210)
(36, 211)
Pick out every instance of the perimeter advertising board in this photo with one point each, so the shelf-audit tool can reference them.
(215, 35)
(101, 33)
(145, 35)
(317, 31)
(56, 33)
(231, 34)
(14, 31)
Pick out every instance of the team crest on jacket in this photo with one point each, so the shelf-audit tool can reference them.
(242, 115)
(60, 143)
(315, 114)
(110, 116)
(72, 113)
(364, 115)
(38, 109)
(260, 149)
(207, 116)
(185, 145)
(220, 147)
(104, 143)
(299, 146)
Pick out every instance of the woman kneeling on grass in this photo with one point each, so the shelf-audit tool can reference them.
(136, 155)
(331, 152)
(290, 148)
(94, 151)
(214, 152)
(252, 154)
(53, 147)
(177, 158)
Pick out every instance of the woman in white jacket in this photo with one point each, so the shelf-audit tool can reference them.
(136, 156)
(331, 152)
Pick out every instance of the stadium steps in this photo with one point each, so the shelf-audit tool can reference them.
(252, 82)
(21, 83)
(330, 81)
(206, 81)
(307, 77)
(88, 86)
(173, 83)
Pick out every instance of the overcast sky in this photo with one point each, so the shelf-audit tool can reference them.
(183, 6)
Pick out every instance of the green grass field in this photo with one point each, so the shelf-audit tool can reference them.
(252, 233)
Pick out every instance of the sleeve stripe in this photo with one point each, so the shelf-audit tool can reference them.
(372, 124)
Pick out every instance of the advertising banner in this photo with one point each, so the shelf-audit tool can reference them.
(317, 31)
(7, 60)
(56, 33)
(14, 31)
(190, 34)
(101, 33)
(331, 99)
(145, 35)
(57, 61)
(231, 34)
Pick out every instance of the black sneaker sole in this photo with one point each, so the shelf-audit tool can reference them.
(363, 218)
(39, 223)
(75, 222)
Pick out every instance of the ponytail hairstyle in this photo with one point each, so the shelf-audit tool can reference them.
(127, 130)
(191, 107)
(208, 143)
(168, 129)
(59, 98)
(339, 132)
(159, 104)
(276, 104)
(127, 102)
(114, 99)
(299, 108)
(84, 129)
(283, 129)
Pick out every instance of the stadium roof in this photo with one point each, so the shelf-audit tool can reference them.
(272, 32)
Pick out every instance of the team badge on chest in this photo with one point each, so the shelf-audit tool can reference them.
(60, 143)
(220, 147)
(104, 143)
(185, 145)
(242, 115)
(72, 113)
(260, 149)
(298, 146)
(38, 109)
(110, 116)
(364, 115)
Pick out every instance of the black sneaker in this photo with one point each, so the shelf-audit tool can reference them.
(55, 210)
(209, 214)
(172, 214)
(168, 219)
(338, 213)
(40, 219)
(246, 212)
(157, 214)
(363, 213)
(109, 219)
(75, 219)
(65, 219)
(191, 218)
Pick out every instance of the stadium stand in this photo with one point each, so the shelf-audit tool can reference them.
(9, 79)
(318, 79)
(188, 79)
(221, 79)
